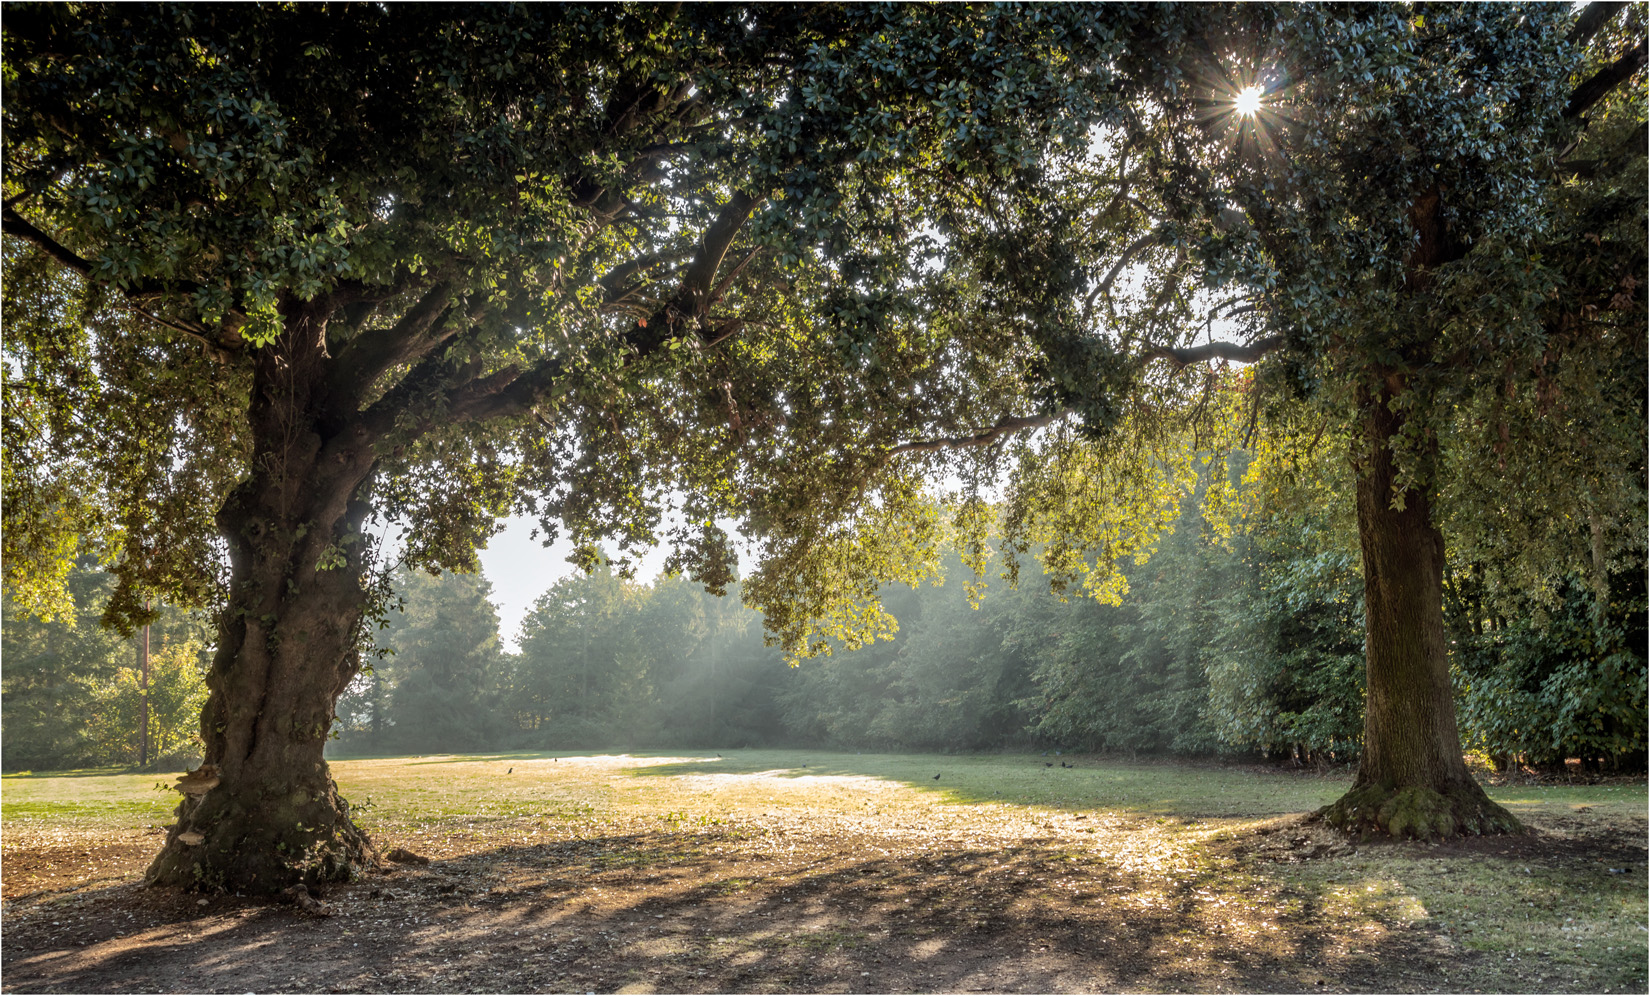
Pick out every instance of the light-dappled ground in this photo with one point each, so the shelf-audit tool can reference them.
(779, 871)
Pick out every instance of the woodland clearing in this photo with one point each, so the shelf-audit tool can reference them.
(779, 871)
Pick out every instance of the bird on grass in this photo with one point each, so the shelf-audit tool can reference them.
(1048, 764)
(936, 778)
(511, 771)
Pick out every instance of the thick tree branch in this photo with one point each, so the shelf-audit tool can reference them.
(13, 223)
(692, 301)
(1214, 313)
(729, 277)
(618, 297)
(1105, 285)
(513, 390)
(510, 391)
(1236, 351)
(701, 273)
(1620, 156)
(489, 397)
(1592, 17)
(985, 438)
(621, 274)
(360, 363)
(1605, 80)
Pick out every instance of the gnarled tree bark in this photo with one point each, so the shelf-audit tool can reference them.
(287, 641)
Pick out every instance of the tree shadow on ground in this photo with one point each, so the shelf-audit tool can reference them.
(727, 910)
(1017, 896)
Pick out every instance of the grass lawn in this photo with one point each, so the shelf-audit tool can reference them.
(811, 870)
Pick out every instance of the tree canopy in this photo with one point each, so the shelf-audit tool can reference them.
(642, 270)
(518, 220)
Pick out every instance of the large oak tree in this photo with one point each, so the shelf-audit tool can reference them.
(1425, 227)
(1439, 215)
(276, 274)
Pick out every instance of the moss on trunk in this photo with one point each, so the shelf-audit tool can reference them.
(1419, 811)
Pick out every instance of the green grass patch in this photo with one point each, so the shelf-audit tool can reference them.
(120, 799)
(1574, 924)
(1527, 800)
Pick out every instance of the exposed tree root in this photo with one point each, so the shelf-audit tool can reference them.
(300, 897)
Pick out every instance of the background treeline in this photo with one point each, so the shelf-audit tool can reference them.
(71, 690)
(1240, 638)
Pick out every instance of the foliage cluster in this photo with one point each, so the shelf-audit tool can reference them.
(1240, 636)
(1564, 683)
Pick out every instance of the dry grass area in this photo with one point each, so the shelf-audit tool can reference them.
(785, 871)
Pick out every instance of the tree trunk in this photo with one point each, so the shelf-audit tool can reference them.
(143, 695)
(287, 643)
(377, 701)
(1412, 780)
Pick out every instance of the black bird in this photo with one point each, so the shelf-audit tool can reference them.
(936, 778)
(511, 771)
(1048, 764)
(1065, 765)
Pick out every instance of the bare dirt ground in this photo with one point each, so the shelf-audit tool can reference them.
(978, 898)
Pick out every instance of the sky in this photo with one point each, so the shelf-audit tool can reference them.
(521, 569)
